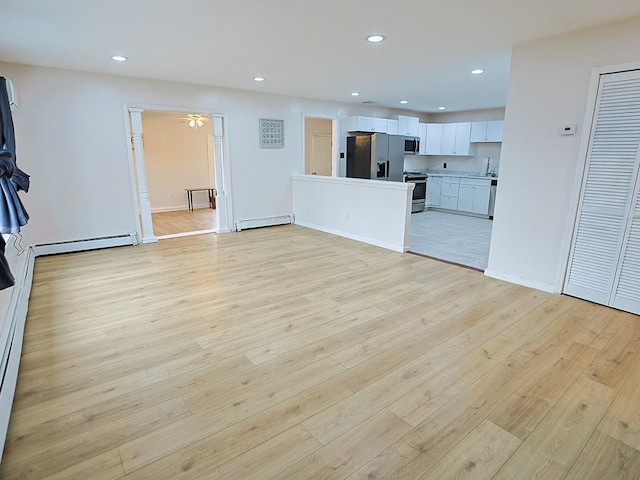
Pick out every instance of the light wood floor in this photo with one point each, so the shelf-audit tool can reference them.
(292, 354)
(182, 221)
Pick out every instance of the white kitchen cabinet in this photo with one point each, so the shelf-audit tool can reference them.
(422, 134)
(392, 126)
(448, 143)
(474, 195)
(456, 139)
(434, 191)
(450, 186)
(408, 125)
(434, 139)
(490, 131)
(380, 125)
(463, 139)
(365, 124)
(494, 130)
(448, 202)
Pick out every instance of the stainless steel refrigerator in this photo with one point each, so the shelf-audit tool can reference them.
(377, 156)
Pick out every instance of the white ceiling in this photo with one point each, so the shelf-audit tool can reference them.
(303, 48)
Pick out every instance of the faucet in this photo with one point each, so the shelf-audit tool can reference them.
(488, 166)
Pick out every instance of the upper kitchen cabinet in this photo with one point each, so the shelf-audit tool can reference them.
(490, 131)
(408, 126)
(455, 139)
(365, 124)
(392, 126)
(422, 133)
(433, 144)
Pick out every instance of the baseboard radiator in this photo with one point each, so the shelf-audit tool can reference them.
(264, 222)
(13, 314)
(86, 244)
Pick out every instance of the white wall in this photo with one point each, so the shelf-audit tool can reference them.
(71, 138)
(370, 211)
(548, 86)
(176, 157)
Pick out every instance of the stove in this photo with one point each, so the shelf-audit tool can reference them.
(419, 191)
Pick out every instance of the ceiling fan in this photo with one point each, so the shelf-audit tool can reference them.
(195, 120)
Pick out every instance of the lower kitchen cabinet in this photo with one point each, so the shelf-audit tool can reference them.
(474, 196)
(434, 191)
(448, 202)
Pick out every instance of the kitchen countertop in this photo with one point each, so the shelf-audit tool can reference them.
(462, 175)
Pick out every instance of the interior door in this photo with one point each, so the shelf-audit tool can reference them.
(626, 295)
(321, 155)
(605, 231)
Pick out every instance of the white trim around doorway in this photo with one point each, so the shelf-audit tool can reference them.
(222, 189)
(585, 137)
(335, 124)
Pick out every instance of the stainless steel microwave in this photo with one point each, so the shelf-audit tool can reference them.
(411, 145)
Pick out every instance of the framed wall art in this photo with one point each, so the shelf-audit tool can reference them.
(271, 133)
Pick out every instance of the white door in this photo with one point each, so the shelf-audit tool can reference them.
(604, 263)
(626, 294)
(321, 155)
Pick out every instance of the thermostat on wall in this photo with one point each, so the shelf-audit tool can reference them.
(568, 129)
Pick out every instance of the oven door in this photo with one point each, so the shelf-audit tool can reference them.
(420, 191)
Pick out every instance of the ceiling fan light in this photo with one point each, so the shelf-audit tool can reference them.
(199, 122)
(192, 123)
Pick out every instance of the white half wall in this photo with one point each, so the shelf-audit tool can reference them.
(536, 199)
(370, 211)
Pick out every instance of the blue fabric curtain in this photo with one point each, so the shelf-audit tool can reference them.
(12, 179)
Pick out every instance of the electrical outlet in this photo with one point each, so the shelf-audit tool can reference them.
(346, 216)
(245, 209)
(444, 165)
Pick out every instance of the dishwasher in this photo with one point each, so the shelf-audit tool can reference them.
(492, 197)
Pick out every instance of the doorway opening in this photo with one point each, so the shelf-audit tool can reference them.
(178, 172)
(320, 145)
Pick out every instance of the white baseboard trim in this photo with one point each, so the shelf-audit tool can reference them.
(264, 222)
(544, 287)
(88, 244)
(358, 238)
(180, 208)
(169, 209)
(14, 321)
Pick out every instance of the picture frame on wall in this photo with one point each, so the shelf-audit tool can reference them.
(271, 133)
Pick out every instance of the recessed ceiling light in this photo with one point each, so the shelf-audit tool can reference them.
(477, 71)
(375, 38)
(404, 102)
(355, 94)
(442, 108)
(259, 79)
(119, 58)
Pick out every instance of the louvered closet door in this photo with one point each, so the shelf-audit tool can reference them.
(607, 193)
(627, 286)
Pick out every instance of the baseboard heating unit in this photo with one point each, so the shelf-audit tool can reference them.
(264, 222)
(86, 244)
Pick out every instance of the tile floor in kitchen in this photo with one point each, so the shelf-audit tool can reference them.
(451, 237)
